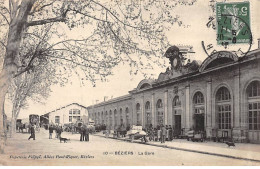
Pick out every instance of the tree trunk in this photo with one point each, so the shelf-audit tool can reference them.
(5, 78)
(19, 17)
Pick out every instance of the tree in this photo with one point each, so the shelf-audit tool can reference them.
(116, 31)
(33, 85)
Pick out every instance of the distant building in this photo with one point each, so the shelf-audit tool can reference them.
(66, 114)
(221, 97)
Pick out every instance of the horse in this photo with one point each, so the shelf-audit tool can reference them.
(22, 126)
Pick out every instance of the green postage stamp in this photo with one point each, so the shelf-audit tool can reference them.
(233, 23)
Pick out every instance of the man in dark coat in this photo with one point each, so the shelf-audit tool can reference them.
(86, 134)
(82, 132)
(32, 132)
(50, 131)
(163, 134)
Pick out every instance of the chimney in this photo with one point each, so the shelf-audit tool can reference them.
(258, 43)
(105, 98)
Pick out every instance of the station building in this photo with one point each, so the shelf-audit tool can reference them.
(67, 114)
(220, 95)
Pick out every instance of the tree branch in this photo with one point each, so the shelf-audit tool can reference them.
(5, 18)
(45, 21)
(3, 44)
(41, 7)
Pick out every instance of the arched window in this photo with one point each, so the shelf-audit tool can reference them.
(138, 107)
(198, 101)
(176, 101)
(138, 114)
(253, 96)
(223, 95)
(148, 114)
(198, 109)
(127, 117)
(102, 118)
(198, 98)
(115, 117)
(223, 108)
(121, 116)
(159, 108)
(110, 118)
(107, 118)
(98, 118)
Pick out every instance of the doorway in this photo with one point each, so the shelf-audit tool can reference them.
(177, 126)
(199, 122)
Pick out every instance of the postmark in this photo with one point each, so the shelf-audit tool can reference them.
(233, 23)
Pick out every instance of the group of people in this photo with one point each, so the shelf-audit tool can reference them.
(58, 130)
(84, 133)
(161, 133)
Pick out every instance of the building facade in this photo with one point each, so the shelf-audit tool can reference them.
(219, 96)
(66, 114)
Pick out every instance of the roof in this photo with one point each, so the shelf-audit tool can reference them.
(65, 107)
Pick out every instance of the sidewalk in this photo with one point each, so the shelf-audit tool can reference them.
(243, 151)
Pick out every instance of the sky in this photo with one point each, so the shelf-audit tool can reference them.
(195, 17)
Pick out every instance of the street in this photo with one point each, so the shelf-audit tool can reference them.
(100, 151)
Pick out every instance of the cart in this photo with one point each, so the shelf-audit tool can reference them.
(137, 133)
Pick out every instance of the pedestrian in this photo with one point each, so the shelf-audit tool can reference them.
(56, 131)
(50, 131)
(82, 132)
(59, 131)
(32, 129)
(86, 133)
(163, 134)
(170, 133)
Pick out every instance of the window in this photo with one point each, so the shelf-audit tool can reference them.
(253, 93)
(70, 118)
(223, 94)
(138, 107)
(57, 119)
(110, 118)
(223, 107)
(148, 113)
(121, 116)
(138, 114)
(74, 111)
(115, 116)
(253, 89)
(198, 101)
(224, 116)
(127, 117)
(176, 102)
(78, 117)
(198, 98)
(147, 106)
(107, 118)
(159, 112)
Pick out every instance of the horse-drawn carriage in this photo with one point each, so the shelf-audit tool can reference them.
(22, 125)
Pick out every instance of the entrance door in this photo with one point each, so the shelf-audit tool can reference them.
(177, 129)
(199, 122)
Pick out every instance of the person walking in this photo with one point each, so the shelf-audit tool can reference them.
(163, 134)
(50, 131)
(32, 132)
